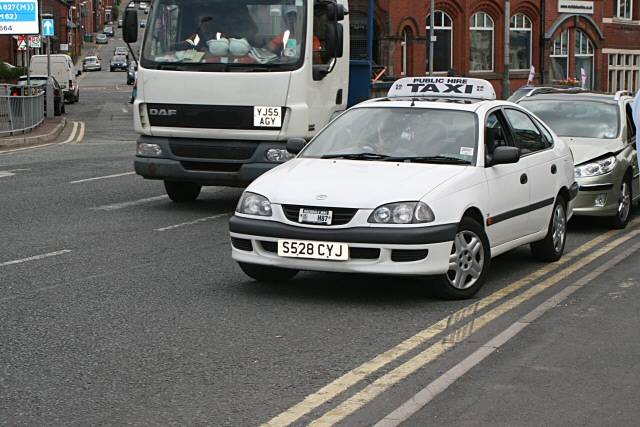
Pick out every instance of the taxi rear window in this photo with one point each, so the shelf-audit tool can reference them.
(393, 131)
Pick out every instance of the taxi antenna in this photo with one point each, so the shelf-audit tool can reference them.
(413, 102)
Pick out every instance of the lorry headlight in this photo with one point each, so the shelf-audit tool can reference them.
(149, 150)
(402, 213)
(254, 204)
(278, 155)
(598, 167)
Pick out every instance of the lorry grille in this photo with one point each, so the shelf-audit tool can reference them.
(220, 150)
(237, 117)
(340, 216)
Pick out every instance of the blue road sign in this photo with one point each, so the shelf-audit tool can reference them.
(48, 29)
(19, 17)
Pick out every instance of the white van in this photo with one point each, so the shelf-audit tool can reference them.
(63, 70)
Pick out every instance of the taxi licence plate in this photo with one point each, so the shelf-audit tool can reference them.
(315, 216)
(313, 250)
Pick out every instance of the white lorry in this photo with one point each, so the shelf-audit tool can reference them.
(222, 85)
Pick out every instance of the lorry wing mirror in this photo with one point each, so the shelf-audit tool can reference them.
(320, 71)
(339, 49)
(130, 26)
(295, 145)
(335, 12)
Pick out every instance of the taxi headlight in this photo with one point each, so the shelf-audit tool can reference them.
(254, 204)
(402, 213)
(599, 167)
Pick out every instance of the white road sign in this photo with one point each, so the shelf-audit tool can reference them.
(19, 17)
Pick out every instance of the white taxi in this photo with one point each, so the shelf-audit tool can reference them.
(434, 180)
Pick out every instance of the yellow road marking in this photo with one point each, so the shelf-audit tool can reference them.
(358, 374)
(388, 380)
(80, 137)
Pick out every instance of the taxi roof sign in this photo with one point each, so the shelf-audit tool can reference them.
(450, 87)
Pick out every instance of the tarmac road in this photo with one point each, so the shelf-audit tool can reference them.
(118, 306)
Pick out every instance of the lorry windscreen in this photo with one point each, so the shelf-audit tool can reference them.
(225, 35)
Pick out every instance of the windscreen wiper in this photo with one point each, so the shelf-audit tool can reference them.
(429, 159)
(356, 156)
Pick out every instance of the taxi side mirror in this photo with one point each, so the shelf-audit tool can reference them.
(295, 145)
(504, 155)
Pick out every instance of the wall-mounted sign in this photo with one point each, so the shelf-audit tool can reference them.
(575, 6)
(19, 17)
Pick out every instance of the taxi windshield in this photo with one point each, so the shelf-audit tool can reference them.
(578, 119)
(399, 134)
(225, 35)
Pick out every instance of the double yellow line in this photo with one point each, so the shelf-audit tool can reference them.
(370, 392)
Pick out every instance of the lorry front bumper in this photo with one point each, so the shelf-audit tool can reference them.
(396, 251)
(229, 163)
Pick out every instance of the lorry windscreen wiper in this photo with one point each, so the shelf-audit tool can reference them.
(356, 156)
(429, 159)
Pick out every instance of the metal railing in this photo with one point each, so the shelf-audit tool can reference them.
(21, 108)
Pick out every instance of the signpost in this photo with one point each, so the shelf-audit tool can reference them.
(19, 17)
(48, 31)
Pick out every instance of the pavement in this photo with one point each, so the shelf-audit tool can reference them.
(48, 131)
(120, 307)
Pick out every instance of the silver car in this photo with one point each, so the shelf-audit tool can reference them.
(600, 131)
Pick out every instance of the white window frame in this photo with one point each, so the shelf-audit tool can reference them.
(482, 26)
(582, 51)
(619, 66)
(403, 43)
(445, 16)
(621, 10)
(527, 25)
(564, 41)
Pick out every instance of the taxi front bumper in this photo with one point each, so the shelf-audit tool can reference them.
(388, 250)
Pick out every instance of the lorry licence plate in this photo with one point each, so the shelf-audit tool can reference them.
(267, 117)
(313, 250)
(314, 216)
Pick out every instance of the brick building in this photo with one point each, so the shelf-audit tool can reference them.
(560, 38)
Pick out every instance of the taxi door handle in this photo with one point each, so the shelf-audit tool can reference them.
(524, 178)
(554, 169)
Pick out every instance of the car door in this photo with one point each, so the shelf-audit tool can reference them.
(542, 167)
(508, 193)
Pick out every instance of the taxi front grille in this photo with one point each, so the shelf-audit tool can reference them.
(340, 216)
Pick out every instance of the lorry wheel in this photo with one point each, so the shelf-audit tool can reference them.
(181, 192)
(267, 274)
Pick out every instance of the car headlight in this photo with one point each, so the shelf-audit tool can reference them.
(402, 213)
(599, 167)
(254, 204)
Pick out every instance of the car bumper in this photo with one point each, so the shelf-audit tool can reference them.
(93, 68)
(396, 251)
(598, 196)
(204, 166)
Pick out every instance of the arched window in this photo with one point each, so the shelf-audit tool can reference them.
(443, 47)
(560, 57)
(520, 42)
(407, 35)
(584, 58)
(481, 54)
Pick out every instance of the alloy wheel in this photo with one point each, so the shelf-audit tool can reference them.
(624, 206)
(559, 229)
(466, 262)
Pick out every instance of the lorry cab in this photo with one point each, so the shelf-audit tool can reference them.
(223, 84)
(63, 69)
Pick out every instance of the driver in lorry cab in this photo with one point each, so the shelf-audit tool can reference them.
(206, 31)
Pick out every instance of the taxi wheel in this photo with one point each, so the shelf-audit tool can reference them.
(182, 192)
(468, 263)
(263, 273)
(551, 247)
(623, 214)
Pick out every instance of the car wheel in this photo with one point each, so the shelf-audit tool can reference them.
(623, 214)
(468, 263)
(56, 109)
(182, 192)
(263, 273)
(551, 247)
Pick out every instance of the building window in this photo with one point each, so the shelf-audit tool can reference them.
(443, 47)
(584, 58)
(520, 42)
(623, 72)
(481, 55)
(624, 9)
(406, 51)
(560, 57)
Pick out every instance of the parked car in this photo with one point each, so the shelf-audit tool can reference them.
(142, 5)
(91, 63)
(40, 81)
(63, 69)
(131, 73)
(121, 50)
(119, 23)
(143, 23)
(108, 31)
(119, 62)
(102, 39)
(599, 130)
